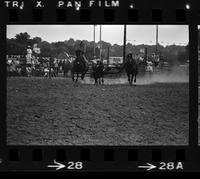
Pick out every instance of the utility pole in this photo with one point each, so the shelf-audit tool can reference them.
(100, 44)
(108, 54)
(94, 41)
(145, 54)
(124, 47)
(156, 39)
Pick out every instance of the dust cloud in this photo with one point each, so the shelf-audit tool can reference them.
(177, 74)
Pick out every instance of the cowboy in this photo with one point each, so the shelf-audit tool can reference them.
(80, 52)
(128, 57)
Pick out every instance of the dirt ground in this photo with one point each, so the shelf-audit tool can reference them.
(57, 112)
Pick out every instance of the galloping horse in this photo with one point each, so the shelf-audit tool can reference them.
(98, 72)
(131, 68)
(79, 66)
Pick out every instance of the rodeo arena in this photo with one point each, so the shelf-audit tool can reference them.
(135, 99)
(31, 65)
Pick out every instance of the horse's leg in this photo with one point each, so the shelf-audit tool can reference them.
(82, 76)
(72, 76)
(135, 74)
(102, 80)
(132, 78)
(128, 77)
(77, 76)
(96, 80)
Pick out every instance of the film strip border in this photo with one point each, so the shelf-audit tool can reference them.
(96, 158)
(128, 11)
(101, 159)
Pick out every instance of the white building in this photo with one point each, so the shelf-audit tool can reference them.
(115, 60)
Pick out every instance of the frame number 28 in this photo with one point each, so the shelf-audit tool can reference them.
(75, 165)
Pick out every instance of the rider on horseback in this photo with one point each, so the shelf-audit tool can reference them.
(131, 59)
(80, 53)
(131, 67)
(80, 64)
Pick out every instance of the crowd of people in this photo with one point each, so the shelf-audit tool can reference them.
(33, 65)
(45, 66)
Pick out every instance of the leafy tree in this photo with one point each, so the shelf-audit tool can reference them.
(46, 49)
(22, 38)
(37, 40)
(14, 48)
(18, 45)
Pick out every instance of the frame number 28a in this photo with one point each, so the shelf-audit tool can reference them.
(171, 166)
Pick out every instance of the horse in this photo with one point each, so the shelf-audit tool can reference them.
(79, 66)
(131, 68)
(66, 66)
(98, 72)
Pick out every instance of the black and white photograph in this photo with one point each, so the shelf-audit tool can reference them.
(117, 85)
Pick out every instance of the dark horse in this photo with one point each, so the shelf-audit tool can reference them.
(98, 72)
(131, 68)
(79, 66)
(66, 67)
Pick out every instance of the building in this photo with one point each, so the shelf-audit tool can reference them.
(115, 60)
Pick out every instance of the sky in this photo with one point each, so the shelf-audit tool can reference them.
(136, 34)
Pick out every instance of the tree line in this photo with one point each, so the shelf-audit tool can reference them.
(18, 46)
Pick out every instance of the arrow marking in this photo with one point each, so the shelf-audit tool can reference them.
(148, 166)
(57, 165)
